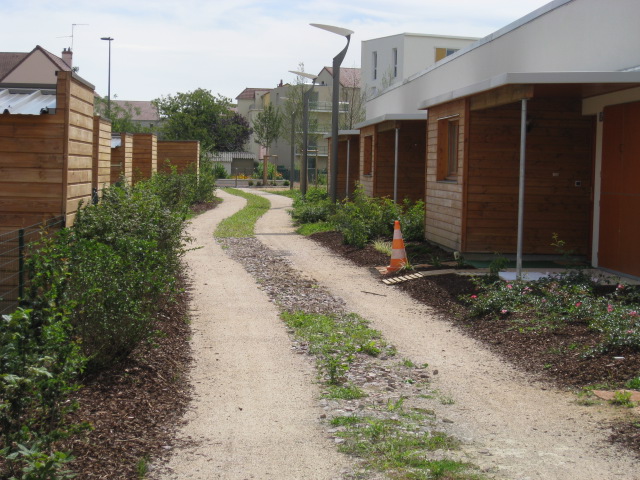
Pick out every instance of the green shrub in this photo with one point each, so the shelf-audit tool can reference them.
(219, 171)
(39, 365)
(364, 219)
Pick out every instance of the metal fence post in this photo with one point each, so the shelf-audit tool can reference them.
(21, 263)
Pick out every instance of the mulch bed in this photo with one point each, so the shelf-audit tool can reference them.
(553, 356)
(135, 407)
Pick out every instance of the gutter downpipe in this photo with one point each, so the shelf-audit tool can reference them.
(347, 176)
(523, 147)
(395, 168)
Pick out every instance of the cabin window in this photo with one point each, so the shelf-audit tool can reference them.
(367, 167)
(394, 55)
(374, 63)
(448, 148)
(442, 52)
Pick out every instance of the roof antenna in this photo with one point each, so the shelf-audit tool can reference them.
(73, 26)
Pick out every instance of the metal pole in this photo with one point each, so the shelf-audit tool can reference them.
(21, 263)
(292, 175)
(523, 148)
(305, 139)
(395, 169)
(337, 61)
(348, 159)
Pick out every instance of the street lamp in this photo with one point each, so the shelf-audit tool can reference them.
(108, 39)
(292, 174)
(337, 61)
(305, 129)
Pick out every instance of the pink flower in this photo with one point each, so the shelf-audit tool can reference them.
(609, 308)
(504, 311)
(630, 331)
(620, 286)
(509, 286)
(544, 300)
(578, 304)
(633, 313)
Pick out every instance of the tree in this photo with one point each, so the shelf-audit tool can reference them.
(267, 127)
(353, 97)
(121, 117)
(232, 133)
(199, 115)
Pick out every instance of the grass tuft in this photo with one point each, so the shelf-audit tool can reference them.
(242, 223)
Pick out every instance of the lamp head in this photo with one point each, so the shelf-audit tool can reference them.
(330, 28)
(106, 38)
(304, 74)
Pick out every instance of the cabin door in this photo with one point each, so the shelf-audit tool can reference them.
(619, 247)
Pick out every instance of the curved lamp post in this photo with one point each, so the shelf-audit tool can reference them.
(305, 129)
(109, 39)
(337, 61)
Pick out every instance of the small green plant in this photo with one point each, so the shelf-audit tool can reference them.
(344, 392)
(406, 362)
(633, 384)
(344, 421)
(383, 246)
(498, 264)
(142, 467)
(623, 399)
(395, 405)
(435, 260)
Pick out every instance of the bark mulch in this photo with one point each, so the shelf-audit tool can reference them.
(553, 355)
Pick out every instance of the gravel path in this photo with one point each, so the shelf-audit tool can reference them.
(256, 405)
(511, 426)
(254, 413)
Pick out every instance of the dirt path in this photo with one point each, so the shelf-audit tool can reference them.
(254, 413)
(511, 426)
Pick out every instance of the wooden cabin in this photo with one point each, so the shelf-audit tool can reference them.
(392, 156)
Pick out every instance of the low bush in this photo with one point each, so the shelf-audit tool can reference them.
(557, 300)
(93, 295)
(364, 219)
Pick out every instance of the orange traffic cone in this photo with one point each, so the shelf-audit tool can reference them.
(398, 253)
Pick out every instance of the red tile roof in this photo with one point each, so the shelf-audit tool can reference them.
(249, 93)
(8, 61)
(147, 110)
(349, 77)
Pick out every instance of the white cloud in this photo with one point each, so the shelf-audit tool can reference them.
(162, 46)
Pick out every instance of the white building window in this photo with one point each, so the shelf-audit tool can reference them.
(374, 62)
(394, 56)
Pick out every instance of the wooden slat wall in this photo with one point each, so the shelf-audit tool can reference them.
(122, 159)
(145, 156)
(443, 222)
(367, 180)
(32, 158)
(181, 154)
(77, 179)
(354, 164)
(559, 153)
(101, 171)
(411, 161)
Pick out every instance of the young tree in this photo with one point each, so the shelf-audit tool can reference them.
(121, 117)
(199, 115)
(267, 128)
(353, 97)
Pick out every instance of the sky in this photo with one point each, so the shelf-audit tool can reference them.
(163, 47)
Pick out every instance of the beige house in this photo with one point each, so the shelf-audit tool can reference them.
(320, 103)
(250, 103)
(37, 67)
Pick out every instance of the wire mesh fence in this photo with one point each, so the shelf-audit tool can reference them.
(14, 246)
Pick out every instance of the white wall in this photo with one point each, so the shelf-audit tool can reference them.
(574, 35)
(415, 52)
